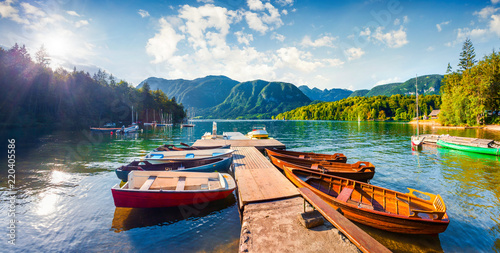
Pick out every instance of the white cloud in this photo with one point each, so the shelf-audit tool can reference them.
(164, 44)
(81, 23)
(277, 36)
(393, 39)
(255, 23)
(397, 21)
(285, 12)
(32, 10)
(430, 49)
(388, 80)
(8, 11)
(325, 41)
(495, 1)
(366, 32)
(205, 1)
(293, 58)
(495, 24)
(285, 2)
(440, 25)
(261, 21)
(255, 5)
(354, 53)
(486, 12)
(73, 13)
(244, 38)
(406, 19)
(143, 13)
(334, 62)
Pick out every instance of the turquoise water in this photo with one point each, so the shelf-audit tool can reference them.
(64, 202)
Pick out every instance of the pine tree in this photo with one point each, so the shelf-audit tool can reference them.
(448, 69)
(42, 57)
(467, 56)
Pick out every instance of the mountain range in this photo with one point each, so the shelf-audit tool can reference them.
(223, 97)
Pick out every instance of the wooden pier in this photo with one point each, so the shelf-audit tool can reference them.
(270, 204)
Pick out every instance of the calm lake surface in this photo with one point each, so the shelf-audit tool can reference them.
(64, 202)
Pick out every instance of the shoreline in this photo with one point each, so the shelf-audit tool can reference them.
(438, 125)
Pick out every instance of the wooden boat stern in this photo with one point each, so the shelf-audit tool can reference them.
(437, 204)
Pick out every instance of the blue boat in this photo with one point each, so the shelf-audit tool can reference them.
(205, 165)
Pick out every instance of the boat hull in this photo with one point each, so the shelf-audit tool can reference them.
(364, 176)
(479, 150)
(219, 166)
(156, 199)
(337, 157)
(377, 219)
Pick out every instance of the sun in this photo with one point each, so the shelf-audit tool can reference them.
(58, 44)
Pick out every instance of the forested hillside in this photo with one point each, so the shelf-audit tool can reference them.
(397, 107)
(35, 95)
(259, 99)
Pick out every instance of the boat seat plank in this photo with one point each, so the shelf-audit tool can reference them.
(180, 184)
(356, 235)
(165, 183)
(212, 185)
(345, 194)
(196, 183)
(148, 183)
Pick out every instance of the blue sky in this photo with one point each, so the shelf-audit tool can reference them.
(325, 44)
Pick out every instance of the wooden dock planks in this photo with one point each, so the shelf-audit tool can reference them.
(258, 180)
(356, 235)
(260, 144)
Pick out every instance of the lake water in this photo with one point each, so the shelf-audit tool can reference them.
(64, 202)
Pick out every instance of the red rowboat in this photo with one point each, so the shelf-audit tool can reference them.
(150, 189)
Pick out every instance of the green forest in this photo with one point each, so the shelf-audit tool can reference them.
(472, 90)
(396, 107)
(35, 95)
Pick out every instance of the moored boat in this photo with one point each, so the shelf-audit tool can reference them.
(152, 189)
(104, 129)
(337, 157)
(362, 171)
(129, 129)
(481, 146)
(258, 132)
(172, 147)
(205, 165)
(376, 206)
(156, 157)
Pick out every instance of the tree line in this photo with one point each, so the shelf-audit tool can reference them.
(395, 107)
(472, 90)
(35, 95)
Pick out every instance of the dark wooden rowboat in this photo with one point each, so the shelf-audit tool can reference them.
(220, 164)
(171, 147)
(376, 206)
(337, 157)
(361, 171)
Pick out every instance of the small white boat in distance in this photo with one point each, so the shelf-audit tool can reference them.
(258, 132)
(157, 157)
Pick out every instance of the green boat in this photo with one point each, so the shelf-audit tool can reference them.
(490, 148)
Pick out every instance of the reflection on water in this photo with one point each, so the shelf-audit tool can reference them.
(129, 218)
(404, 243)
(64, 202)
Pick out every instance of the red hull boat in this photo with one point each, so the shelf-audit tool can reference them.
(152, 189)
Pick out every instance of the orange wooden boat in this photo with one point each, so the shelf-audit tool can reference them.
(337, 157)
(361, 171)
(376, 206)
